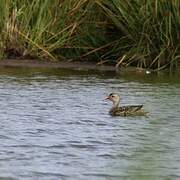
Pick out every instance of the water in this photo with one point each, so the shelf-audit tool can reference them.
(55, 125)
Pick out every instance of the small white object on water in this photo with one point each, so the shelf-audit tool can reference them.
(148, 72)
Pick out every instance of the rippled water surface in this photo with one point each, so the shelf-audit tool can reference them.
(55, 125)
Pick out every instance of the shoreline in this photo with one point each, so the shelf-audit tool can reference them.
(69, 65)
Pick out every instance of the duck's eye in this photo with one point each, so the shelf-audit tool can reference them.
(112, 96)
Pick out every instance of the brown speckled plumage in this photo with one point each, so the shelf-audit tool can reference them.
(130, 110)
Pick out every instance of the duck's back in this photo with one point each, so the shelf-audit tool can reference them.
(127, 110)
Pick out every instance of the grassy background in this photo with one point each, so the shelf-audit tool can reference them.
(143, 33)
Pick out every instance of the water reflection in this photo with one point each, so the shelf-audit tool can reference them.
(54, 125)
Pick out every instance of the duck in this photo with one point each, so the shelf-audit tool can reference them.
(129, 110)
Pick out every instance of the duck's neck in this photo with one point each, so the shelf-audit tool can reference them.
(115, 104)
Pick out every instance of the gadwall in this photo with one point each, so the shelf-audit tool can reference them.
(130, 110)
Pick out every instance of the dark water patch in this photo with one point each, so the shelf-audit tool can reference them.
(46, 174)
(7, 178)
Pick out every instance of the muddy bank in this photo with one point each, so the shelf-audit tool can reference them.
(58, 65)
(26, 63)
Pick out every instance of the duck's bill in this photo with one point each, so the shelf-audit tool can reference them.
(107, 98)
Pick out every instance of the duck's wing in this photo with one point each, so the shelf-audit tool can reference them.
(126, 110)
(132, 108)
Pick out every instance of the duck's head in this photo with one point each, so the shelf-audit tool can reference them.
(114, 97)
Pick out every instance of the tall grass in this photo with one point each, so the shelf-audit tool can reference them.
(55, 30)
(147, 31)
(143, 33)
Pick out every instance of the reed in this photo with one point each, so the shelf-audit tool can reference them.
(142, 33)
(147, 32)
(53, 30)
